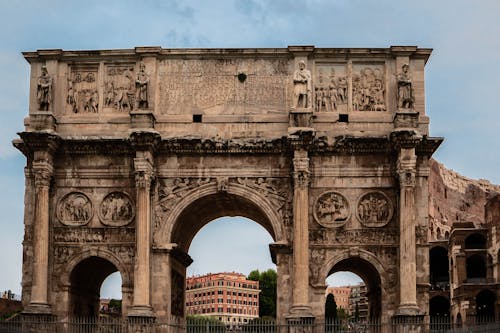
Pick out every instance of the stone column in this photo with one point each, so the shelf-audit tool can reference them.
(39, 147)
(300, 289)
(143, 177)
(43, 171)
(406, 170)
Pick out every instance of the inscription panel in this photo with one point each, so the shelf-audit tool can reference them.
(190, 86)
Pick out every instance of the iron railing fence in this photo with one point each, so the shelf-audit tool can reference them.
(22, 324)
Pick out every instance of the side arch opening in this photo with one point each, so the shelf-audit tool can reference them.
(86, 280)
(369, 292)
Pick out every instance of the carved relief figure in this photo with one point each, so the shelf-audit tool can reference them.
(405, 93)
(331, 209)
(142, 84)
(44, 90)
(116, 209)
(374, 209)
(368, 89)
(302, 86)
(317, 262)
(74, 209)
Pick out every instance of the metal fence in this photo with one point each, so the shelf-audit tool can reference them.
(21, 324)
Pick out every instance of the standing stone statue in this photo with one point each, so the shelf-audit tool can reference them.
(302, 86)
(405, 93)
(44, 90)
(141, 84)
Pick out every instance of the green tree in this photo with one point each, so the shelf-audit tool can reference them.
(115, 306)
(267, 284)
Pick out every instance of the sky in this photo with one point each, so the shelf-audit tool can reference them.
(462, 74)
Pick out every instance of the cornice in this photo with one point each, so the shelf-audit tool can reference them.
(341, 145)
(37, 141)
(281, 52)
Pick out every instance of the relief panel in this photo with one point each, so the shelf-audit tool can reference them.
(374, 209)
(331, 209)
(116, 209)
(74, 209)
(368, 85)
(119, 87)
(330, 89)
(82, 95)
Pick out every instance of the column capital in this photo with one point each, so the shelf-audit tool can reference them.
(43, 172)
(301, 173)
(144, 172)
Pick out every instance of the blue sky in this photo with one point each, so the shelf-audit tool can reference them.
(462, 75)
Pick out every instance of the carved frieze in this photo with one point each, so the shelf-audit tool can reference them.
(374, 209)
(354, 237)
(93, 235)
(368, 85)
(82, 95)
(330, 91)
(116, 209)
(331, 209)
(74, 209)
(119, 89)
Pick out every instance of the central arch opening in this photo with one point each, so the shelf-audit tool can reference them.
(227, 237)
(364, 284)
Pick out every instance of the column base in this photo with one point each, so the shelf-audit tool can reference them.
(34, 308)
(141, 311)
(408, 310)
(300, 312)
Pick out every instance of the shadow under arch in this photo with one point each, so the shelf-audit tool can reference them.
(84, 277)
(369, 269)
(206, 203)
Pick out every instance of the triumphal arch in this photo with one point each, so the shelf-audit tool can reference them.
(130, 152)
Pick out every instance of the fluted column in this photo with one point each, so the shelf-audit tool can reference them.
(143, 178)
(43, 171)
(301, 177)
(406, 171)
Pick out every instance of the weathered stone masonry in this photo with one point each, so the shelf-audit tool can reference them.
(130, 152)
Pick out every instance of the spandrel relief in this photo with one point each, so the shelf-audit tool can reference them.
(368, 85)
(374, 209)
(331, 209)
(82, 94)
(74, 209)
(330, 90)
(120, 87)
(116, 209)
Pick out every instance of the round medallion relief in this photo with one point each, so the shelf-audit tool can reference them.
(331, 209)
(374, 209)
(74, 209)
(116, 209)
